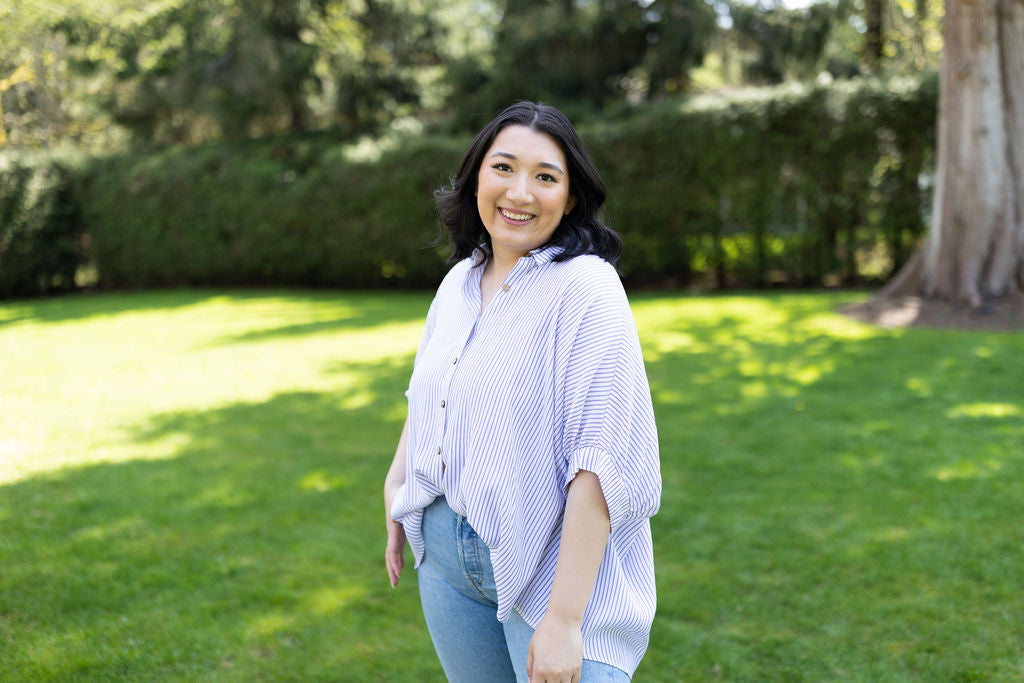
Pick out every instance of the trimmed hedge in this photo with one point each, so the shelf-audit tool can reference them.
(286, 212)
(789, 184)
(794, 185)
(40, 227)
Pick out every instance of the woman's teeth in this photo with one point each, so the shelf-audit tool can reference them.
(516, 216)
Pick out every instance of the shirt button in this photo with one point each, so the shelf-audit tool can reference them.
(504, 288)
(439, 450)
(455, 360)
(442, 403)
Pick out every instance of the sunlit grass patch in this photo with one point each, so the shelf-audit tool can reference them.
(190, 490)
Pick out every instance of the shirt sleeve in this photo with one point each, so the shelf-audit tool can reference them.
(606, 413)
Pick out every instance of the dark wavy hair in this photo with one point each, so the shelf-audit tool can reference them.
(579, 232)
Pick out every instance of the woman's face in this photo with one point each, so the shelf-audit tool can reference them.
(522, 191)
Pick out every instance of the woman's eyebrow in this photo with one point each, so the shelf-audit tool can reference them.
(543, 164)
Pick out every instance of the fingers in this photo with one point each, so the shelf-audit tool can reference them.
(394, 561)
(550, 678)
(393, 573)
(394, 552)
(553, 678)
(547, 667)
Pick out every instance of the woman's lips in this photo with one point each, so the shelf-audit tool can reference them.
(515, 217)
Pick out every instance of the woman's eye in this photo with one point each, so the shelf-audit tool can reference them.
(503, 167)
(547, 178)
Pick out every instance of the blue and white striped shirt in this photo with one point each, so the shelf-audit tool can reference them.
(506, 407)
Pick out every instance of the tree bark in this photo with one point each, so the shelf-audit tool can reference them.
(975, 248)
(874, 38)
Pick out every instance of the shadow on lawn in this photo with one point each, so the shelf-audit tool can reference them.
(254, 552)
(79, 305)
(367, 308)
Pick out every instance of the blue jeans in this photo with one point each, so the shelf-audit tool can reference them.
(460, 603)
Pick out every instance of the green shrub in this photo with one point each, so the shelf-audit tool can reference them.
(796, 185)
(785, 184)
(276, 212)
(40, 225)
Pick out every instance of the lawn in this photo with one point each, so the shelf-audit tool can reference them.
(190, 489)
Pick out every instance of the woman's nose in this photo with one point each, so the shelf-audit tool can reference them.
(519, 189)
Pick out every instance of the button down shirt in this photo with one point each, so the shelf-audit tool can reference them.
(506, 407)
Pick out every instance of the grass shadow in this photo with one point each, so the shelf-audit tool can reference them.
(366, 308)
(255, 551)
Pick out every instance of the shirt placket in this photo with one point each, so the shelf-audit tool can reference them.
(452, 356)
(458, 349)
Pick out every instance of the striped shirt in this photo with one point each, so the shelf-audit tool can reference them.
(506, 407)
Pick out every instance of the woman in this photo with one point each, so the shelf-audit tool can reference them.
(528, 468)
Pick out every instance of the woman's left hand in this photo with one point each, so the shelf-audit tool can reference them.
(556, 652)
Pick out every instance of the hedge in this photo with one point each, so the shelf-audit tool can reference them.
(790, 184)
(41, 231)
(797, 185)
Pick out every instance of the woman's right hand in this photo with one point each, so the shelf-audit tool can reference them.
(394, 555)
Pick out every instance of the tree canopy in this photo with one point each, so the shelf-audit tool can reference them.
(106, 71)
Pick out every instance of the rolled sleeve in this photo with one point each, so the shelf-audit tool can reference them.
(606, 413)
(615, 493)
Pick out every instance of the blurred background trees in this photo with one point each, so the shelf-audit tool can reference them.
(103, 72)
(193, 142)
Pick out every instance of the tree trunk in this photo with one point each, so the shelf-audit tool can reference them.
(874, 38)
(975, 248)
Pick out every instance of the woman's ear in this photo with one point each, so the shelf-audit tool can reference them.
(570, 204)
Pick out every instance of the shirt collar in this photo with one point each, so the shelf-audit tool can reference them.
(539, 256)
(545, 254)
(480, 254)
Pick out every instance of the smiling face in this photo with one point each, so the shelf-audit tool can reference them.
(522, 191)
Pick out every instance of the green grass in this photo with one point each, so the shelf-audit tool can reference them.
(190, 489)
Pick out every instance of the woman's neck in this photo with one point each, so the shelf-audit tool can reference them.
(500, 265)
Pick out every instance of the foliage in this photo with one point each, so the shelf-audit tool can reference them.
(583, 55)
(797, 185)
(784, 42)
(102, 73)
(40, 227)
(886, 36)
(191, 491)
(285, 211)
(43, 103)
(914, 36)
(191, 70)
(769, 185)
